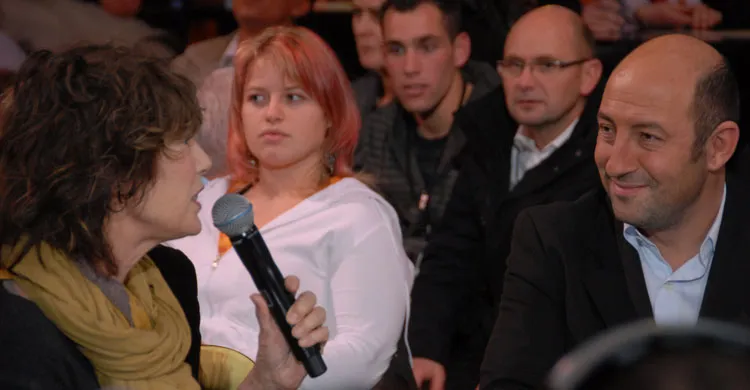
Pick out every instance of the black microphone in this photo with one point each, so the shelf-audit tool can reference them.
(233, 216)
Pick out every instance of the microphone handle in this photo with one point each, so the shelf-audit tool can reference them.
(256, 258)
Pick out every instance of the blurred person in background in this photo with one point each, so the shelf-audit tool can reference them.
(58, 25)
(372, 90)
(611, 20)
(172, 16)
(252, 16)
(11, 58)
(214, 97)
(712, 355)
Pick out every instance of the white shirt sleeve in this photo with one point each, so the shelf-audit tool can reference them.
(370, 288)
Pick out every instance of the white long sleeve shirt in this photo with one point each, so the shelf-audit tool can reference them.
(344, 244)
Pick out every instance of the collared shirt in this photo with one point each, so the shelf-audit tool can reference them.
(676, 295)
(227, 59)
(525, 155)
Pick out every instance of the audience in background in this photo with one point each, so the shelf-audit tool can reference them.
(172, 16)
(373, 90)
(214, 96)
(409, 145)
(664, 13)
(529, 142)
(605, 19)
(11, 58)
(61, 24)
(488, 21)
(611, 20)
(665, 236)
(252, 16)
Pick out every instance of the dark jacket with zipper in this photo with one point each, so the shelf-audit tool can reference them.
(385, 152)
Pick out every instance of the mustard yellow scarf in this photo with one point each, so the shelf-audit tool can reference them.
(149, 355)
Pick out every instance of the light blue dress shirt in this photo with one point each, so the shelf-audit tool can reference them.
(676, 296)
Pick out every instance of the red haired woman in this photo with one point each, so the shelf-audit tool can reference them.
(293, 128)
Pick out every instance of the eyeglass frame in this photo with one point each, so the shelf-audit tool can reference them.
(534, 65)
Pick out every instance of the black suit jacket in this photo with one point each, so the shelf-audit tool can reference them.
(571, 274)
(461, 275)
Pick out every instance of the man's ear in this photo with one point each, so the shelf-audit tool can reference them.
(461, 49)
(721, 145)
(592, 73)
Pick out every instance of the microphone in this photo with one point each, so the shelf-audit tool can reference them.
(233, 216)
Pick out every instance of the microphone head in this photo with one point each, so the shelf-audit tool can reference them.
(233, 215)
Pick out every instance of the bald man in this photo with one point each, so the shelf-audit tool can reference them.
(529, 142)
(665, 237)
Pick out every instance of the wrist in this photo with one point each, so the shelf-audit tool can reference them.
(254, 381)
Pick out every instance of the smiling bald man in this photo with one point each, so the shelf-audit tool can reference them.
(665, 236)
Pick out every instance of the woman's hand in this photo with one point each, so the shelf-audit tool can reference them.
(276, 367)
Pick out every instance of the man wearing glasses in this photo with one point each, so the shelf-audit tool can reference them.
(664, 237)
(529, 142)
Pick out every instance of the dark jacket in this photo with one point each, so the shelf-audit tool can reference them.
(464, 262)
(367, 91)
(36, 355)
(571, 275)
(383, 151)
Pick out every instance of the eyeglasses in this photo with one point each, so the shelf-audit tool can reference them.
(514, 67)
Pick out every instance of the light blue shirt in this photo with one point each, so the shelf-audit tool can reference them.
(676, 296)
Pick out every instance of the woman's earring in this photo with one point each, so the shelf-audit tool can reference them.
(253, 162)
(331, 163)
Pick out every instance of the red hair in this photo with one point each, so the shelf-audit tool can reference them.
(305, 58)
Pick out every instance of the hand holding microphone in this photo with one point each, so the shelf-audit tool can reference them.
(276, 368)
(233, 216)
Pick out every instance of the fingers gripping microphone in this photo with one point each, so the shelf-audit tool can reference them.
(233, 216)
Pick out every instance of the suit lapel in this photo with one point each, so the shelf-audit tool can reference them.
(631, 264)
(613, 275)
(568, 156)
(727, 292)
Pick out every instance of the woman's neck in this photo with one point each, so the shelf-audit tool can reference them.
(127, 244)
(300, 180)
